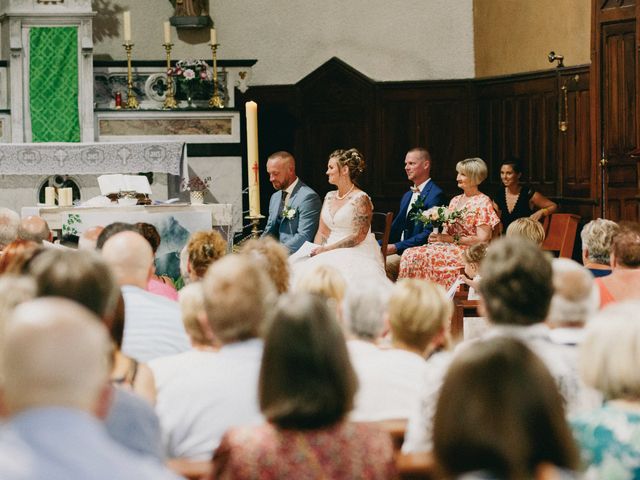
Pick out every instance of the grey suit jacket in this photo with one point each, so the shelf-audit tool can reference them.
(292, 233)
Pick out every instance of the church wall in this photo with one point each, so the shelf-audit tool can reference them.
(386, 41)
(513, 36)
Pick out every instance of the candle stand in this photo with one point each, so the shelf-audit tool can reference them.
(255, 222)
(216, 100)
(170, 99)
(132, 101)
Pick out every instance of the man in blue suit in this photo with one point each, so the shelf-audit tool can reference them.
(424, 194)
(294, 209)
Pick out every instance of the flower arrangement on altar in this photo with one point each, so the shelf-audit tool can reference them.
(189, 74)
(437, 217)
(195, 184)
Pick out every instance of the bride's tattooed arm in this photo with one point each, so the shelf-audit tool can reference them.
(361, 222)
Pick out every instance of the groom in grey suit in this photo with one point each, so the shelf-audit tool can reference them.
(294, 209)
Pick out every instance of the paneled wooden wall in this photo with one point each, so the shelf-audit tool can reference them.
(337, 107)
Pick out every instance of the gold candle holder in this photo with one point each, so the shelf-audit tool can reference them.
(255, 222)
(170, 99)
(216, 100)
(132, 101)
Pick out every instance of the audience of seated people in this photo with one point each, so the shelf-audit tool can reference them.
(214, 384)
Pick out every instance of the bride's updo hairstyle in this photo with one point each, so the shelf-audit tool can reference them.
(351, 158)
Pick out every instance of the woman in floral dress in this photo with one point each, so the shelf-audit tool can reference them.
(441, 259)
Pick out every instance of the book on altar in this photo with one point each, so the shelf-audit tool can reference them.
(303, 252)
(116, 183)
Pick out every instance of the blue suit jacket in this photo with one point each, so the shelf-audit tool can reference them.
(303, 226)
(414, 234)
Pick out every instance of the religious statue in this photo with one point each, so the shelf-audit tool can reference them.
(190, 8)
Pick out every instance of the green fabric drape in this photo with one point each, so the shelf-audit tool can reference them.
(53, 84)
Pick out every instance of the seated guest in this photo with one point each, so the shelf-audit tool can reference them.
(113, 229)
(500, 415)
(35, 228)
(305, 395)
(82, 276)
(575, 299)
(204, 248)
(391, 379)
(624, 281)
(9, 224)
(472, 258)
(596, 239)
(89, 238)
(275, 257)
(527, 228)
(325, 281)
(609, 358)
(17, 254)
(196, 409)
(440, 260)
(159, 285)
(153, 325)
(56, 384)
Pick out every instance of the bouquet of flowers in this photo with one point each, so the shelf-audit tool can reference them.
(188, 74)
(439, 216)
(195, 184)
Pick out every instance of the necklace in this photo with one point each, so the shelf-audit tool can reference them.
(348, 192)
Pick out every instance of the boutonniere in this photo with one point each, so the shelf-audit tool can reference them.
(289, 213)
(416, 208)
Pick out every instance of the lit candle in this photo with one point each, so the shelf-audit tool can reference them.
(127, 26)
(252, 158)
(167, 32)
(214, 40)
(49, 196)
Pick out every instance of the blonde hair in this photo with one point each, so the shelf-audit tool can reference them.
(418, 310)
(610, 351)
(325, 281)
(204, 248)
(352, 159)
(475, 253)
(474, 168)
(191, 300)
(526, 227)
(275, 257)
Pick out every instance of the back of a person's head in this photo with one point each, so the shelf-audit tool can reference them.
(575, 297)
(528, 228)
(17, 255)
(364, 309)
(238, 296)
(274, 256)
(79, 275)
(34, 228)
(113, 229)
(476, 253)
(192, 306)
(610, 351)
(418, 311)
(516, 285)
(9, 224)
(500, 411)
(596, 239)
(150, 233)
(55, 354)
(323, 280)
(625, 245)
(130, 257)
(89, 238)
(306, 377)
(204, 248)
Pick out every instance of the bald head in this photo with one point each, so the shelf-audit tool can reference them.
(9, 224)
(55, 354)
(89, 238)
(130, 257)
(34, 228)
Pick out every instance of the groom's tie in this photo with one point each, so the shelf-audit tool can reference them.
(283, 200)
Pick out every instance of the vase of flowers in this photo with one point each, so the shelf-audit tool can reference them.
(188, 76)
(196, 187)
(437, 217)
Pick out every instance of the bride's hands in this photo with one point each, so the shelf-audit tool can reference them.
(317, 251)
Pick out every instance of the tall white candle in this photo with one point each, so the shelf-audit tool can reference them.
(127, 26)
(49, 196)
(253, 170)
(214, 39)
(167, 32)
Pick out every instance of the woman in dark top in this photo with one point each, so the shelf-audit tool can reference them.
(516, 200)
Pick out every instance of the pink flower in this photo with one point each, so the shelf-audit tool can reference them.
(189, 74)
(203, 75)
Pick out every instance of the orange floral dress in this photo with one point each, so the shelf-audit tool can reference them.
(441, 262)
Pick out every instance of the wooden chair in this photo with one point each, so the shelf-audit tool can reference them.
(381, 228)
(416, 466)
(561, 234)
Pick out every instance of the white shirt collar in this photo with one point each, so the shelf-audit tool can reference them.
(290, 188)
(422, 185)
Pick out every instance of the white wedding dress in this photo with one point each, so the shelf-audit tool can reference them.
(361, 265)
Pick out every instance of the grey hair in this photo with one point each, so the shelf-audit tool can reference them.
(576, 297)
(9, 225)
(596, 239)
(364, 310)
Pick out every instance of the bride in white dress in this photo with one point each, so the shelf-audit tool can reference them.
(344, 235)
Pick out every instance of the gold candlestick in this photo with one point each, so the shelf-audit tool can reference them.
(170, 99)
(216, 100)
(132, 101)
(255, 222)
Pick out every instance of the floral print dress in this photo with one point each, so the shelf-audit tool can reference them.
(441, 262)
